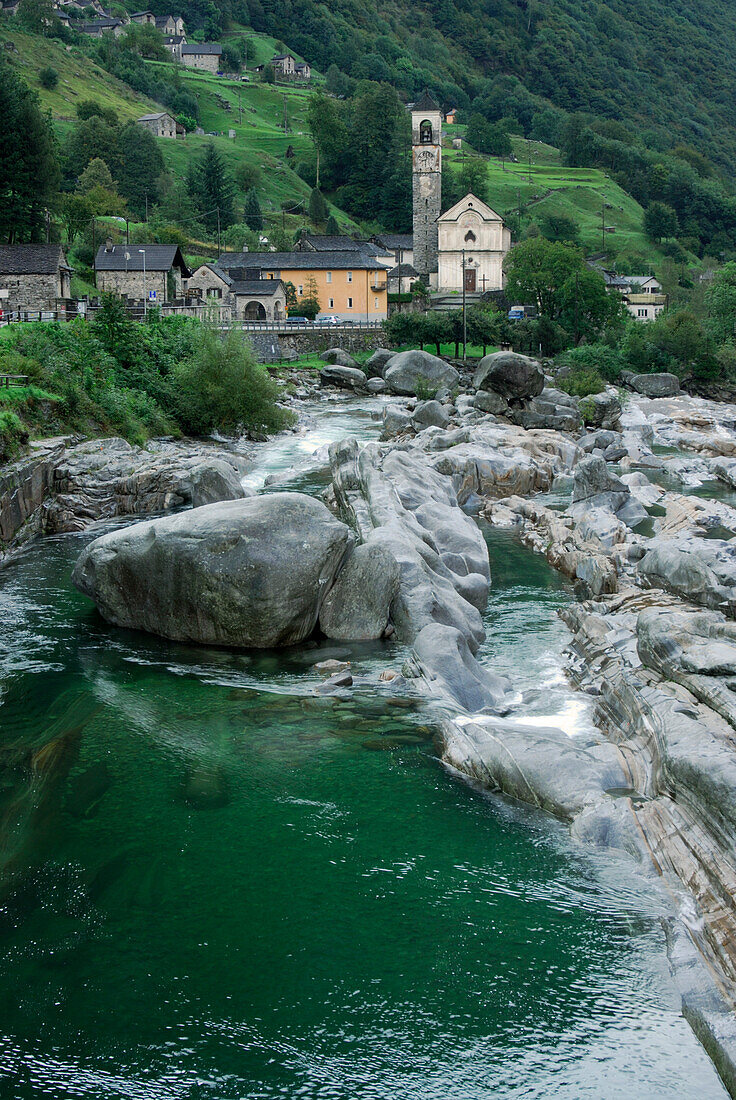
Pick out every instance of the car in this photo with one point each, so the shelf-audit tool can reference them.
(293, 320)
(330, 319)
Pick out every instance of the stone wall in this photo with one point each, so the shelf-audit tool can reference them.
(305, 342)
(30, 292)
(130, 283)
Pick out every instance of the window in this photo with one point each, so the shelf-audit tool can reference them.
(350, 276)
(332, 303)
(470, 235)
(214, 292)
(329, 276)
(300, 290)
(350, 303)
(642, 312)
(425, 132)
(375, 303)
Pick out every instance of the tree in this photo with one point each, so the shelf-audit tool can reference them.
(268, 76)
(660, 221)
(92, 138)
(213, 190)
(29, 165)
(332, 229)
(292, 303)
(76, 214)
(720, 299)
(559, 227)
(48, 78)
(309, 305)
(473, 177)
(37, 16)
(252, 215)
(318, 209)
(546, 273)
(141, 166)
(96, 174)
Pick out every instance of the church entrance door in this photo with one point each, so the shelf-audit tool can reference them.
(470, 280)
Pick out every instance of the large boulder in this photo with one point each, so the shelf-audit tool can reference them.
(250, 573)
(376, 364)
(489, 402)
(592, 477)
(396, 421)
(655, 385)
(603, 410)
(430, 414)
(337, 357)
(515, 377)
(410, 370)
(356, 609)
(211, 482)
(344, 378)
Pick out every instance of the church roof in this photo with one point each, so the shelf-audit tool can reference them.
(426, 103)
(470, 202)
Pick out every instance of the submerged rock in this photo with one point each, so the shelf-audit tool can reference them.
(206, 788)
(410, 370)
(241, 573)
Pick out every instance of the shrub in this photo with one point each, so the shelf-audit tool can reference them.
(221, 387)
(48, 78)
(599, 359)
(582, 381)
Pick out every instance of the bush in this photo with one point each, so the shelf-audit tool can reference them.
(12, 434)
(48, 78)
(599, 359)
(582, 381)
(221, 387)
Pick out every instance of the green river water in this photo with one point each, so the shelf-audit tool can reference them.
(222, 886)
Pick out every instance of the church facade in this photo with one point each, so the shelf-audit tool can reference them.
(472, 244)
(464, 247)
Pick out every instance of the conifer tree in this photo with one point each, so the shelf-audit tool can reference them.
(252, 215)
(318, 210)
(332, 228)
(29, 166)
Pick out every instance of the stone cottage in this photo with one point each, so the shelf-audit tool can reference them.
(33, 276)
(155, 272)
(202, 55)
(170, 24)
(241, 291)
(162, 125)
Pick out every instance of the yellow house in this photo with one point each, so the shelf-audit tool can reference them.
(348, 285)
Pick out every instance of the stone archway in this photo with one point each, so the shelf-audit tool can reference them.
(255, 311)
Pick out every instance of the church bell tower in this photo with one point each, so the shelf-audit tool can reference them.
(426, 141)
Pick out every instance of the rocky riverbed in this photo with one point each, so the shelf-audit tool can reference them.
(616, 492)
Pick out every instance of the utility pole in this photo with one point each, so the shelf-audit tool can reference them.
(48, 226)
(603, 224)
(577, 283)
(127, 232)
(145, 298)
(317, 180)
(146, 206)
(465, 319)
(518, 206)
(286, 116)
(218, 232)
(400, 253)
(529, 156)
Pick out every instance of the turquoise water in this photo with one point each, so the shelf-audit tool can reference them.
(217, 885)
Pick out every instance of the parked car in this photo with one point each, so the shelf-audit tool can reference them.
(330, 319)
(298, 320)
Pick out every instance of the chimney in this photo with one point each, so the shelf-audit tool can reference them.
(109, 245)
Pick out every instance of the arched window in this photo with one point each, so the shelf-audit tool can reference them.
(470, 235)
(425, 132)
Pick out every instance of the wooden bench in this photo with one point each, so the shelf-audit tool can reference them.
(9, 380)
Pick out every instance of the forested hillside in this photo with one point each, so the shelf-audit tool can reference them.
(666, 69)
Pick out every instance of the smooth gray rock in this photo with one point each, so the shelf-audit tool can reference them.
(338, 357)
(448, 665)
(603, 411)
(376, 385)
(357, 607)
(655, 385)
(375, 365)
(411, 369)
(430, 414)
(489, 402)
(395, 421)
(246, 573)
(592, 477)
(515, 377)
(213, 481)
(599, 441)
(344, 378)
(700, 570)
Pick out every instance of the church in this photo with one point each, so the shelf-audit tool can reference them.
(465, 246)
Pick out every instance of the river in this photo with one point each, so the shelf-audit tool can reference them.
(225, 887)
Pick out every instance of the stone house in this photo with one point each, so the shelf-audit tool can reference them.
(202, 55)
(162, 125)
(246, 297)
(399, 246)
(174, 43)
(170, 25)
(106, 25)
(401, 279)
(451, 116)
(155, 272)
(472, 244)
(143, 18)
(283, 64)
(646, 306)
(350, 285)
(33, 276)
(302, 70)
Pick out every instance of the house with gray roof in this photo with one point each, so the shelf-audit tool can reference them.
(161, 125)
(33, 277)
(155, 272)
(400, 246)
(202, 55)
(247, 297)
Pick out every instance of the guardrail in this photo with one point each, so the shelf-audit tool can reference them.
(288, 328)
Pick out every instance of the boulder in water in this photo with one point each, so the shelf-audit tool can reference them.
(246, 573)
(376, 364)
(344, 378)
(338, 358)
(356, 608)
(412, 370)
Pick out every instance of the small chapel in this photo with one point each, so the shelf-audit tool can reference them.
(463, 248)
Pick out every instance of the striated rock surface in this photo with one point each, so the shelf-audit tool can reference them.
(358, 605)
(343, 377)
(412, 370)
(513, 376)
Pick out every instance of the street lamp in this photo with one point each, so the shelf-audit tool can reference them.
(145, 300)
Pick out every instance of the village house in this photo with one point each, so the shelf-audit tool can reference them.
(646, 306)
(174, 43)
(202, 55)
(349, 285)
(154, 272)
(451, 116)
(398, 247)
(143, 18)
(170, 25)
(302, 70)
(162, 125)
(33, 277)
(320, 242)
(401, 279)
(283, 64)
(106, 25)
(472, 244)
(236, 290)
